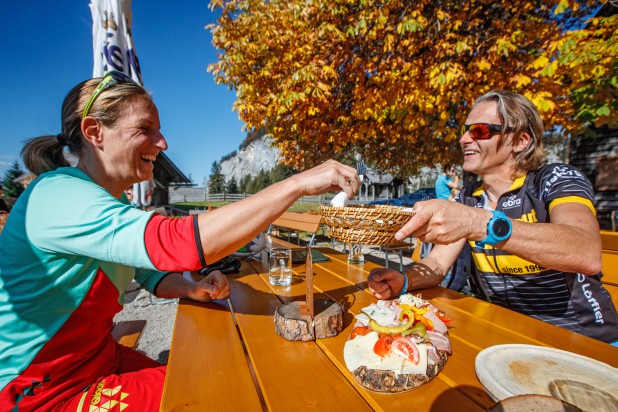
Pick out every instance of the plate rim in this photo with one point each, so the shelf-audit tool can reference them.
(499, 393)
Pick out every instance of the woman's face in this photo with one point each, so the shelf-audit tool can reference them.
(133, 143)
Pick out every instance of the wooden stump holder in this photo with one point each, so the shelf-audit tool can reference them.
(292, 320)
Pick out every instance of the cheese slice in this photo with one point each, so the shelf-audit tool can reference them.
(359, 351)
(380, 313)
(399, 365)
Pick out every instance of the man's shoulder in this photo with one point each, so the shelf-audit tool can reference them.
(558, 171)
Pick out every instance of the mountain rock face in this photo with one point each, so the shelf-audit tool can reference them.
(259, 155)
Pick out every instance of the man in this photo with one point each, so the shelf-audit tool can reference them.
(532, 228)
(446, 182)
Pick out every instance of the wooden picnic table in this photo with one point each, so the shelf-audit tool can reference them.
(225, 355)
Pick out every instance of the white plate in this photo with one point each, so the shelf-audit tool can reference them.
(510, 370)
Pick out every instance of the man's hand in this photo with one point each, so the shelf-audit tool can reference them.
(385, 283)
(214, 286)
(443, 222)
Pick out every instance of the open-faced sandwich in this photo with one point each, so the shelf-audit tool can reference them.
(397, 345)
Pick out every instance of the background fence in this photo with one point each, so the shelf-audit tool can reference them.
(199, 194)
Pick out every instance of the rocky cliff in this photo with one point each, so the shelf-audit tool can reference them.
(259, 155)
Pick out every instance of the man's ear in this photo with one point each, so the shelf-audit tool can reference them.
(92, 131)
(524, 141)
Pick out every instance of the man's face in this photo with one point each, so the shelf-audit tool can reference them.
(484, 156)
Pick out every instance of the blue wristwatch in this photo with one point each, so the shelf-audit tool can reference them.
(499, 228)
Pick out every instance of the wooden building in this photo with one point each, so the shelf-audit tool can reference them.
(166, 174)
(597, 158)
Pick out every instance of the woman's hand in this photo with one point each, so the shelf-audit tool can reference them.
(213, 287)
(385, 283)
(330, 176)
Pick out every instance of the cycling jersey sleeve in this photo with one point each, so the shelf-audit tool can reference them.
(565, 184)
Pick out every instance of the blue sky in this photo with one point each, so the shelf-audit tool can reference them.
(47, 49)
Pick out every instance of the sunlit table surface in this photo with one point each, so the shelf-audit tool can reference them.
(226, 355)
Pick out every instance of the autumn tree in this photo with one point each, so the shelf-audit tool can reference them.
(393, 80)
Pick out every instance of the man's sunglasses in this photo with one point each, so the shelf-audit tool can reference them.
(111, 78)
(481, 131)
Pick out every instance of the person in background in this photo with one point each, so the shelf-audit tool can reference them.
(454, 193)
(446, 182)
(129, 195)
(71, 247)
(532, 227)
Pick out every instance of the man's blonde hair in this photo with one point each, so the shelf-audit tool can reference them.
(519, 115)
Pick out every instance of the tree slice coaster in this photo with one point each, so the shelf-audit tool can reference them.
(292, 320)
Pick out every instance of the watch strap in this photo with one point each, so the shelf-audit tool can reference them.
(491, 238)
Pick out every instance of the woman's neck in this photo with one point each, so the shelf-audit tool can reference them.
(98, 176)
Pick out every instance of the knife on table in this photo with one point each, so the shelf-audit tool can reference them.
(309, 285)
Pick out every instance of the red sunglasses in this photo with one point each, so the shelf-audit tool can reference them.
(481, 131)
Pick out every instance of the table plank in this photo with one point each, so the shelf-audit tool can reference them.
(508, 326)
(313, 375)
(347, 284)
(291, 374)
(207, 363)
(472, 318)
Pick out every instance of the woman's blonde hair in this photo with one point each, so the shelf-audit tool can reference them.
(44, 153)
(519, 115)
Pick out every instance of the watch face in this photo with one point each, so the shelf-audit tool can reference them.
(500, 228)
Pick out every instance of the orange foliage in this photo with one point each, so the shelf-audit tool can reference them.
(393, 80)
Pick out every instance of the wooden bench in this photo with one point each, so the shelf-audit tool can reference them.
(298, 222)
(128, 332)
(610, 263)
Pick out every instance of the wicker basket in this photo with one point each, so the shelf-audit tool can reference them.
(365, 224)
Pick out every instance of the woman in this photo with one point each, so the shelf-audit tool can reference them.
(71, 246)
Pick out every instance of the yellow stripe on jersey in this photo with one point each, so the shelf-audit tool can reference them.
(517, 183)
(508, 264)
(573, 199)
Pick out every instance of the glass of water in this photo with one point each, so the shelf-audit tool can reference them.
(355, 254)
(280, 266)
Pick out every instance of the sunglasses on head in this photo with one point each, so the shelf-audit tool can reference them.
(111, 78)
(481, 131)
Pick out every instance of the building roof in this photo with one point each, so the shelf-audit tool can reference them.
(167, 173)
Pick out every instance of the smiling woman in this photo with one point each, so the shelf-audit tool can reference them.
(72, 245)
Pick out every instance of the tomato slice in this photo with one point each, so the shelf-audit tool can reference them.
(383, 345)
(405, 348)
(441, 316)
(359, 331)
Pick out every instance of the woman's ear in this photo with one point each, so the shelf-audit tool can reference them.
(92, 131)
(524, 141)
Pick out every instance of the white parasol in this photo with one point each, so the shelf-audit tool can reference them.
(113, 48)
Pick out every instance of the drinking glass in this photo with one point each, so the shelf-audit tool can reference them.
(280, 266)
(355, 254)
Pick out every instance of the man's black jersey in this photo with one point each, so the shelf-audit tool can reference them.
(571, 300)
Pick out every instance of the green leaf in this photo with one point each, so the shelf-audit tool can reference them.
(603, 111)
(561, 7)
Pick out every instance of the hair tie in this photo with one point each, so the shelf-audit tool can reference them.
(61, 139)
